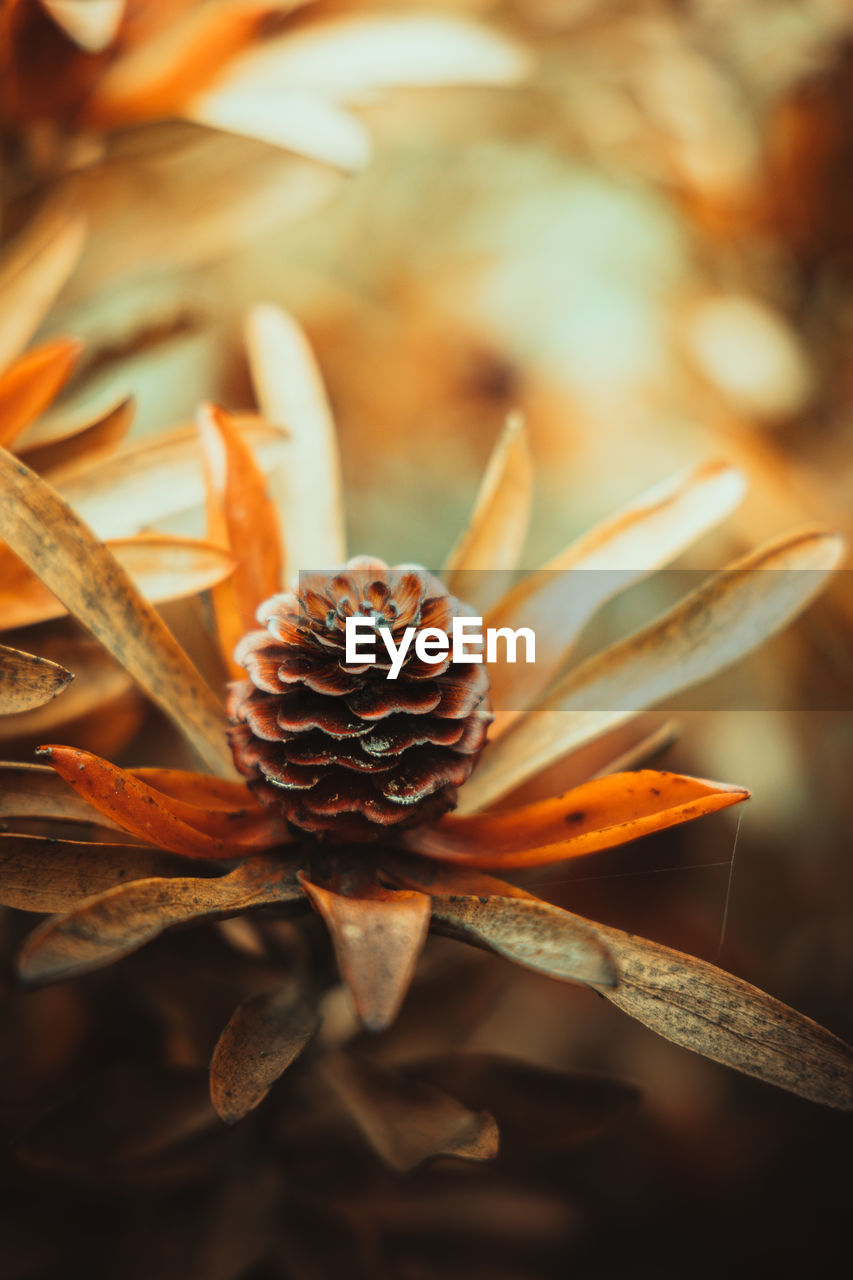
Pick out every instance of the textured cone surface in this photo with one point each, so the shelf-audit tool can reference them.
(343, 750)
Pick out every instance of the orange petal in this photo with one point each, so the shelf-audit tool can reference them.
(241, 512)
(597, 815)
(378, 935)
(32, 383)
(190, 830)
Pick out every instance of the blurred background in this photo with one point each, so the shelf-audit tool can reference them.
(631, 221)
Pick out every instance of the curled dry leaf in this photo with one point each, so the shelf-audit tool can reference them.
(264, 1036)
(710, 629)
(559, 600)
(42, 874)
(498, 525)
(407, 1122)
(378, 935)
(291, 394)
(596, 815)
(103, 929)
(28, 681)
(243, 518)
(75, 566)
(36, 791)
(32, 383)
(530, 933)
(192, 830)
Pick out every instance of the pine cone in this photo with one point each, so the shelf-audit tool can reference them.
(342, 749)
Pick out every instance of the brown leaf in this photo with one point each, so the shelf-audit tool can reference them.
(36, 791)
(713, 627)
(32, 383)
(530, 933)
(497, 529)
(264, 1036)
(596, 815)
(56, 545)
(407, 1122)
(28, 681)
(703, 1008)
(192, 830)
(41, 874)
(241, 514)
(103, 929)
(87, 442)
(378, 935)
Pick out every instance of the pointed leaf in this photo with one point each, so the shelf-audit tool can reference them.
(28, 681)
(728, 617)
(302, 122)
(33, 269)
(103, 929)
(498, 526)
(264, 1036)
(65, 445)
(407, 1122)
(91, 24)
(378, 935)
(705, 1009)
(194, 831)
(596, 815)
(559, 600)
(240, 511)
(529, 932)
(291, 394)
(32, 383)
(86, 577)
(200, 789)
(42, 874)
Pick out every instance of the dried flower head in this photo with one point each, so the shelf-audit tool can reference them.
(379, 900)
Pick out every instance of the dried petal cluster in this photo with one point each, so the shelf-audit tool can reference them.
(342, 749)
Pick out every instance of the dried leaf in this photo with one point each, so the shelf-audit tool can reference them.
(192, 830)
(28, 681)
(404, 1121)
(91, 24)
(264, 1036)
(559, 600)
(98, 683)
(43, 451)
(32, 383)
(148, 481)
(35, 791)
(241, 512)
(200, 789)
(163, 567)
(302, 122)
(728, 617)
(378, 935)
(530, 933)
(596, 815)
(291, 394)
(705, 1009)
(56, 545)
(498, 526)
(103, 929)
(32, 271)
(42, 874)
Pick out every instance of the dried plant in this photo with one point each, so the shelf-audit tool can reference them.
(379, 896)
